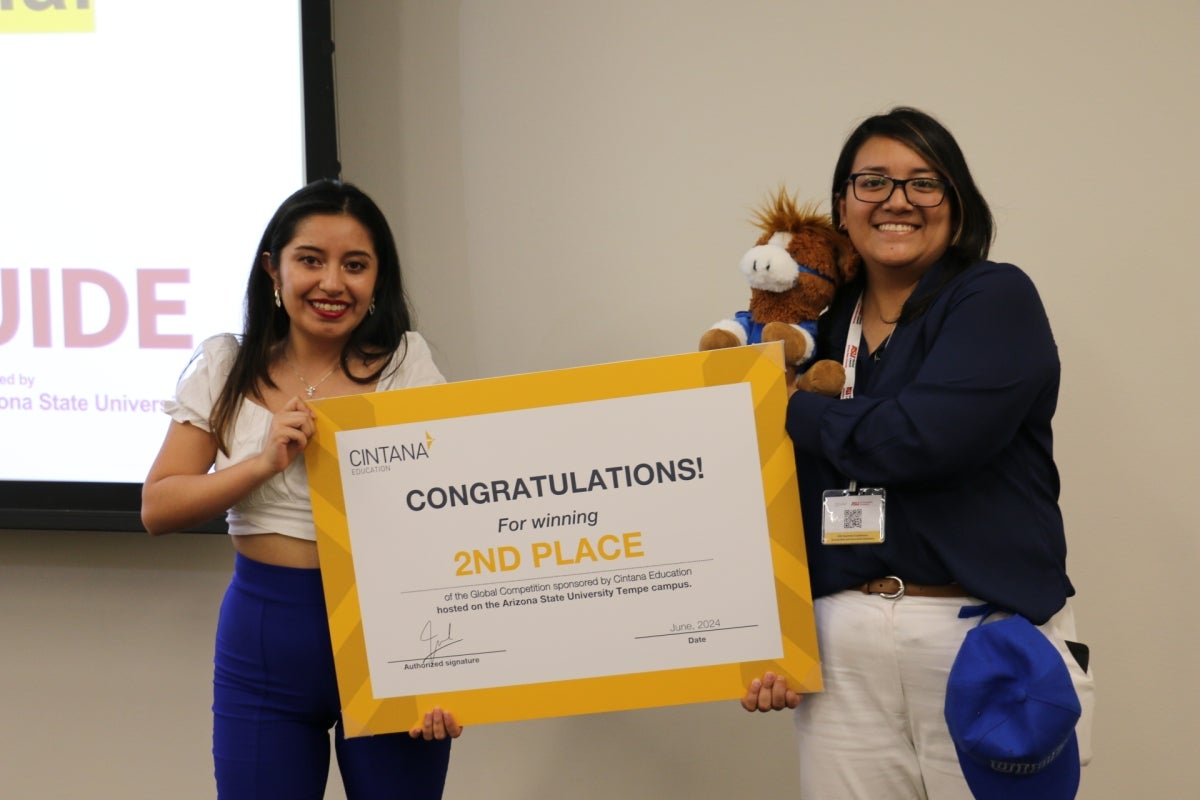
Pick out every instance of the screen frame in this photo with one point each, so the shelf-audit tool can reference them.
(87, 506)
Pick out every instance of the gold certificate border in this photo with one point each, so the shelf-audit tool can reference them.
(761, 366)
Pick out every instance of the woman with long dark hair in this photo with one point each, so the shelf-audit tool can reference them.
(325, 315)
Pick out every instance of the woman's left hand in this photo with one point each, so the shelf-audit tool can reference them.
(770, 693)
(438, 724)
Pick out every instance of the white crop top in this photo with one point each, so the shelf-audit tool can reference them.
(282, 504)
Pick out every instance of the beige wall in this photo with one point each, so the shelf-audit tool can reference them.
(570, 182)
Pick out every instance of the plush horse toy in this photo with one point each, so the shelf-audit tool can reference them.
(793, 270)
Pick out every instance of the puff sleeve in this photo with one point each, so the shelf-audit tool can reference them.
(202, 381)
(416, 369)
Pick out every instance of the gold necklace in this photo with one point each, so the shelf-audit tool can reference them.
(310, 388)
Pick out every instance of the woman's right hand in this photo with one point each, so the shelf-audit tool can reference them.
(291, 428)
(436, 725)
(770, 693)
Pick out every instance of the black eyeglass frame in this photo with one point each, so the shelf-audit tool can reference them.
(897, 183)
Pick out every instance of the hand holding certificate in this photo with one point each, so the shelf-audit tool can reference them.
(557, 543)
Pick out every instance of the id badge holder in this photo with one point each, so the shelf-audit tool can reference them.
(853, 516)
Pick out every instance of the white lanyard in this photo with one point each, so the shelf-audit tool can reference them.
(852, 515)
(850, 356)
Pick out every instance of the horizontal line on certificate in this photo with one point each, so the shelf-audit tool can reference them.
(440, 656)
(695, 632)
(638, 568)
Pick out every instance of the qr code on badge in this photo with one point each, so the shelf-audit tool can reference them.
(851, 518)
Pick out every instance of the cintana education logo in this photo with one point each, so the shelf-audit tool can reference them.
(383, 457)
(47, 16)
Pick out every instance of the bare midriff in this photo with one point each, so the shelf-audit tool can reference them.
(277, 549)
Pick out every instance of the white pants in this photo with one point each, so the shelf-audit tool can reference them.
(878, 730)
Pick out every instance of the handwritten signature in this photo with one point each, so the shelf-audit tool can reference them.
(435, 640)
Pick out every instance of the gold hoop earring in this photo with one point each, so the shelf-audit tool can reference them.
(278, 302)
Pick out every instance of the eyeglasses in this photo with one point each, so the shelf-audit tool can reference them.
(870, 187)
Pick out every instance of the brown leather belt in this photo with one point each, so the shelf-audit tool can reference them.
(893, 588)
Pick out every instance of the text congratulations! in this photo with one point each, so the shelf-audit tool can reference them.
(564, 483)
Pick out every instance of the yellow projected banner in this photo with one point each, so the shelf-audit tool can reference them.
(47, 16)
(595, 539)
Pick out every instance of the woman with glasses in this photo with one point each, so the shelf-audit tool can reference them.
(929, 488)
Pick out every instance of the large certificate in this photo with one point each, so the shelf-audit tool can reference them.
(594, 539)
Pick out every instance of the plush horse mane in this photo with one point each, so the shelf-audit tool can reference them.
(781, 212)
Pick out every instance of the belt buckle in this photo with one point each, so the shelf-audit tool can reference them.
(896, 595)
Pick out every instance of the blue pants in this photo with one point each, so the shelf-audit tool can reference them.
(275, 699)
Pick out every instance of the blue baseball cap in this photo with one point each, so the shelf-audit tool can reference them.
(1011, 709)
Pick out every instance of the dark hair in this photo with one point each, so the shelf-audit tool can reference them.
(265, 326)
(970, 218)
